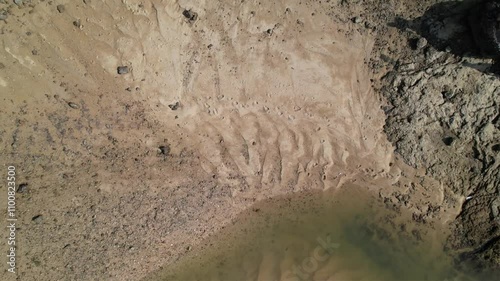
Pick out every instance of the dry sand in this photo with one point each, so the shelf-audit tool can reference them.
(222, 106)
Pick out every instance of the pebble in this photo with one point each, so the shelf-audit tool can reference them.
(174, 106)
(77, 23)
(164, 149)
(37, 218)
(122, 70)
(18, 2)
(421, 43)
(73, 105)
(190, 15)
(3, 16)
(61, 8)
(357, 20)
(23, 187)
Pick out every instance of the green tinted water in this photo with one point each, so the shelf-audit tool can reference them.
(320, 237)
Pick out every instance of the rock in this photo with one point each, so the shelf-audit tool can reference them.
(73, 105)
(164, 150)
(18, 2)
(122, 70)
(86, 1)
(77, 23)
(37, 218)
(432, 55)
(190, 15)
(408, 67)
(3, 16)
(61, 8)
(421, 43)
(34, 52)
(174, 106)
(357, 20)
(22, 188)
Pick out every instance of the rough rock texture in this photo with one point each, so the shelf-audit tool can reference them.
(443, 116)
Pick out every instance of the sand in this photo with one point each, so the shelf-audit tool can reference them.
(223, 104)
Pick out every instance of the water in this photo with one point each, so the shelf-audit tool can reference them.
(320, 237)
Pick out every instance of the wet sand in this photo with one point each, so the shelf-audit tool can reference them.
(343, 235)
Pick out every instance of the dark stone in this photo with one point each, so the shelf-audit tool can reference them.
(73, 105)
(37, 218)
(77, 23)
(164, 150)
(61, 8)
(122, 70)
(174, 106)
(190, 15)
(22, 188)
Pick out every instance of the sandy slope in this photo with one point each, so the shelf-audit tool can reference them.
(272, 98)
